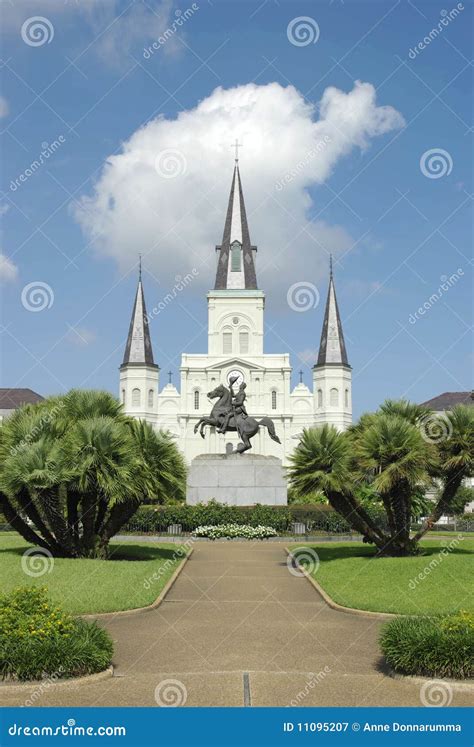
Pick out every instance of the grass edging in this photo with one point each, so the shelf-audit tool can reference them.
(148, 607)
(330, 601)
(87, 679)
(459, 685)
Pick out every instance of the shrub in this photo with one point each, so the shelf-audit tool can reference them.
(317, 517)
(440, 646)
(39, 640)
(235, 530)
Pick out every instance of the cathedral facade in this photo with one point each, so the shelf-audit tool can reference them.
(236, 309)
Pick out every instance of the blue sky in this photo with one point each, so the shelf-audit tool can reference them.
(397, 228)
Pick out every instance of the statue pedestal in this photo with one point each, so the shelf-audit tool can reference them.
(237, 480)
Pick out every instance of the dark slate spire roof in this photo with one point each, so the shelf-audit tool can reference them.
(332, 348)
(138, 350)
(236, 229)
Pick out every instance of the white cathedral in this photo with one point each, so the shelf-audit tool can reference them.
(236, 348)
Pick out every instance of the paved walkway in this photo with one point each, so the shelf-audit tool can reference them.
(238, 628)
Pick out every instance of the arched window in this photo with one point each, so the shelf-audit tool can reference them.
(244, 341)
(346, 398)
(235, 261)
(227, 342)
(136, 397)
(274, 399)
(123, 396)
(196, 399)
(334, 397)
(320, 397)
(151, 398)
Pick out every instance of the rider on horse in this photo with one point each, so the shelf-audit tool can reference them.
(238, 408)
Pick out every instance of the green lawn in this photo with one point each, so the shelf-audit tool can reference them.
(350, 574)
(80, 586)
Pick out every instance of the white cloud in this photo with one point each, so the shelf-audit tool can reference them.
(116, 31)
(175, 222)
(4, 107)
(8, 269)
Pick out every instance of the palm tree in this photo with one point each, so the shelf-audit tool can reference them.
(74, 469)
(166, 469)
(321, 461)
(404, 409)
(455, 461)
(392, 454)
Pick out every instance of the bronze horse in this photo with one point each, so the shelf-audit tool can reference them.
(245, 427)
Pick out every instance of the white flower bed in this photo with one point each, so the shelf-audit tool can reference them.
(230, 531)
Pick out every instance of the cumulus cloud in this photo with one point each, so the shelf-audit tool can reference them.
(8, 269)
(165, 194)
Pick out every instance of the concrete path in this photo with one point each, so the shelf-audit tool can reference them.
(238, 628)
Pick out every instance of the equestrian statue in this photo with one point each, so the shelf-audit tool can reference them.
(230, 414)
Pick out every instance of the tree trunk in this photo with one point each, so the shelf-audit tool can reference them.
(20, 526)
(51, 501)
(88, 516)
(26, 504)
(119, 515)
(451, 487)
(357, 517)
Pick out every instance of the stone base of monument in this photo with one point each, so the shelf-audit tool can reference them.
(237, 480)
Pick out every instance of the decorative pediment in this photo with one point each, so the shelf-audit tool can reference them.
(235, 361)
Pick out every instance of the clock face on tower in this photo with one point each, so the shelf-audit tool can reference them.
(238, 374)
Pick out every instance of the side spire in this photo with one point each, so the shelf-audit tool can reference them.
(332, 348)
(138, 350)
(236, 265)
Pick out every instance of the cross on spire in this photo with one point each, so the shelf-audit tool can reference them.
(170, 375)
(237, 145)
(139, 266)
(301, 376)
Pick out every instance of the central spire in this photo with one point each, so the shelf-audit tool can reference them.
(236, 265)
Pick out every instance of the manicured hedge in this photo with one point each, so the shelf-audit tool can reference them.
(317, 518)
(38, 640)
(440, 646)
